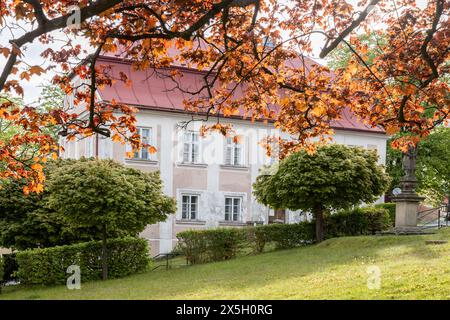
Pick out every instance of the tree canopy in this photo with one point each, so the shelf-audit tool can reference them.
(239, 45)
(106, 195)
(26, 223)
(27, 220)
(334, 177)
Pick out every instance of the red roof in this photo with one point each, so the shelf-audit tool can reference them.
(153, 91)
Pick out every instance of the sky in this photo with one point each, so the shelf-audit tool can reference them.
(32, 53)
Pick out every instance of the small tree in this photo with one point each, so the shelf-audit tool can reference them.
(334, 177)
(26, 222)
(109, 196)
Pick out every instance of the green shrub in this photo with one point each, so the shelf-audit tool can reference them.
(1, 270)
(219, 244)
(10, 267)
(1, 273)
(378, 219)
(359, 221)
(202, 246)
(283, 235)
(211, 245)
(49, 265)
(391, 208)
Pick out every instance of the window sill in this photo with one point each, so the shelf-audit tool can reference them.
(232, 223)
(141, 161)
(194, 222)
(192, 165)
(232, 167)
(252, 223)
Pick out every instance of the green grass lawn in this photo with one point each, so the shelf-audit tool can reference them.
(334, 269)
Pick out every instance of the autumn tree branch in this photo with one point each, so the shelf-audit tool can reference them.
(47, 26)
(330, 46)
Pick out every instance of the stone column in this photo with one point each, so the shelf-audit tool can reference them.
(407, 202)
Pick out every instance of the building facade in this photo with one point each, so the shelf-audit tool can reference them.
(211, 178)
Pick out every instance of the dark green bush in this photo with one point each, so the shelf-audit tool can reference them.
(49, 265)
(359, 221)
(283, 235)
(390, 207)
(1, 270)
(202, 246)
(10, 267)
(211, 245)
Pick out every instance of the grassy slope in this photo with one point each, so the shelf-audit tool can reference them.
(335, 269)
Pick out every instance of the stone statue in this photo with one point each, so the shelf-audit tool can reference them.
(409, 163)
(407, 202)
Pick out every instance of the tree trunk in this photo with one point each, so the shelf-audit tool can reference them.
(104, 254)
(319, 224)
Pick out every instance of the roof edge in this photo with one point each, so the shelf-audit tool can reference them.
(233, 117)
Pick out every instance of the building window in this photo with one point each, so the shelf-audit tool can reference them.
(146, 139)
(233, 153)
(189, 207)
(191, 147)
(232, 209)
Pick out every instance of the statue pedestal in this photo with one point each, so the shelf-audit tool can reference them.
(407, 208)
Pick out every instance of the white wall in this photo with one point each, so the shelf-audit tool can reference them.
(167, 138)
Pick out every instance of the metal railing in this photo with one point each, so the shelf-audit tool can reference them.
(442, 214)
(166, 259)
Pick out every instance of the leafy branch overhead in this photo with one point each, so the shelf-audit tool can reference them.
(252, 55)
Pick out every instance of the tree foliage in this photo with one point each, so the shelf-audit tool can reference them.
(106, 195)
(341, 57)
(334, 177)
(31, 221)
(433, 166)
(241, 46)
(27, 222)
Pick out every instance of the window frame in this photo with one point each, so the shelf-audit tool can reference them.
(187, 215)
(231, 215)
(138, 155)
(230, 148)
(192, 156)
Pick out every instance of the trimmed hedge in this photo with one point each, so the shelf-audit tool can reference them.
(359, 221)
(202, 246)
(390, 206)
(211, 245)
(283, 235)
(48, 266)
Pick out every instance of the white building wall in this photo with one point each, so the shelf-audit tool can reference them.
(210, 179)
